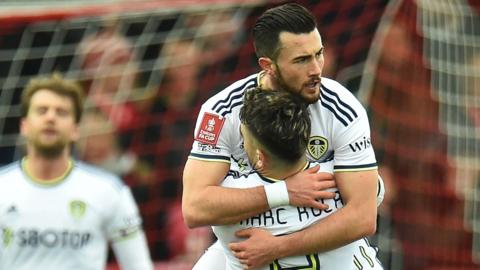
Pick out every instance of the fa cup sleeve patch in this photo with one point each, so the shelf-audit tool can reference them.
(210, 128)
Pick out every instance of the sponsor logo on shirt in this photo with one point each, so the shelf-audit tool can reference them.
(210, 128)
(49, 238)
(7, 237)
(360, 145)
(208, 148)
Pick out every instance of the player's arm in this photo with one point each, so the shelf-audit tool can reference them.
(204, 202)
(132, 252)
(355, 220)
(125, 233)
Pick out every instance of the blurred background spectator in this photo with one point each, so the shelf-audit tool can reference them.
(99, 144)
(148, 64)
(426, 216)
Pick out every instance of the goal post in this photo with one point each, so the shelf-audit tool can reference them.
(147, 65)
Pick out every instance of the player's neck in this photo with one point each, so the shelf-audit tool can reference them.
(282, 171)
(47, 169)
(266, 81)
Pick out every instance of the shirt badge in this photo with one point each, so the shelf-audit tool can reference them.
(210, 128)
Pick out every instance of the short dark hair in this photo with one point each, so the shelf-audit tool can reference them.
(278, 120)
(60, 86)
(291, 17)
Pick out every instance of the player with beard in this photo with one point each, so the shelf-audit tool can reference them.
(57, 213)
(290, 53)
(275, 126)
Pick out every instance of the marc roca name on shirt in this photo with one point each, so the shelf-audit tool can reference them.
(282, 216)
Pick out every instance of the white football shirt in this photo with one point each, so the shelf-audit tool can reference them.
(288, 219)
(67, 223)
(340, 129)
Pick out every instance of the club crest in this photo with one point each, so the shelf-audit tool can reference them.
(77, 209)
(317, 146)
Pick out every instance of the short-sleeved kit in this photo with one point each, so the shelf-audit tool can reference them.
(288, 219)
(340, 136)
(340, 128)
(66, 224)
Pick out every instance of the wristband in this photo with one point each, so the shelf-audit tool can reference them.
(277, 194)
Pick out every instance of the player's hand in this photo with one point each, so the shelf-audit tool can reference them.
(258, 249)
(307, 187)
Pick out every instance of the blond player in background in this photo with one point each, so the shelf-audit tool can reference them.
(55, 212)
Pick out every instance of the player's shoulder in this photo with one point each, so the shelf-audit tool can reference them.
(98, 176)
(331, 89)
(223, 102)
(340, 102)
(8, 169)
(10, 176)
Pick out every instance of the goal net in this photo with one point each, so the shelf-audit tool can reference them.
(147, 66)
(421, 82)
(140, 63)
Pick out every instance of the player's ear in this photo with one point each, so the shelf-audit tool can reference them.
(260, 159)
(266, 64)
(23, 126)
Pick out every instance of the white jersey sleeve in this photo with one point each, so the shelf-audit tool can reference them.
(217, 133)
(353, 148)
(212, 133)
(341, 130)
(125, 220)
(126, 235)
(132, 253)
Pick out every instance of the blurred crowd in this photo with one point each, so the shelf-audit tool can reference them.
(143, 133)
